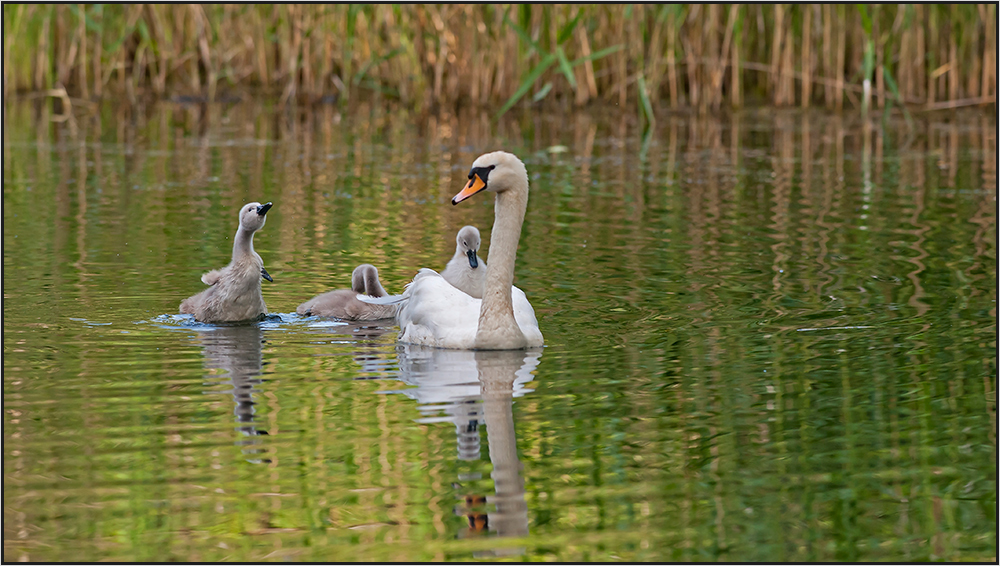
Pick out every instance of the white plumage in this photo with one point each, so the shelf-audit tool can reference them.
(432, 312)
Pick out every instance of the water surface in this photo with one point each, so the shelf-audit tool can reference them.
(770, 336)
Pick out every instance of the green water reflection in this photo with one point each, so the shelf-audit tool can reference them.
(769, 337)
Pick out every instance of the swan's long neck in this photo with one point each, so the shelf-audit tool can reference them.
(497, 327)
(243, 245)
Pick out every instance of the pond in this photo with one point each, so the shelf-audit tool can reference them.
(769, 336)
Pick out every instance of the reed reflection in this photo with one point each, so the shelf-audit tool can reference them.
(236, 349)
(468, 389)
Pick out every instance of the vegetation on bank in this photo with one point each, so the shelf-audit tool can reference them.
(489, 55)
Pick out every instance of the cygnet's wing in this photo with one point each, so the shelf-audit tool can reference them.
(212, 277)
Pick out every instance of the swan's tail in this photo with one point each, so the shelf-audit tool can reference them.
(386, 300)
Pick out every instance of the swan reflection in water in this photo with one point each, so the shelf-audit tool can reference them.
(236, 349)
(472, 388)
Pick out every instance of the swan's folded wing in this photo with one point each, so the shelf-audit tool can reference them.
(424, 272)
(386, 300)
(437, 314)
(524, 314)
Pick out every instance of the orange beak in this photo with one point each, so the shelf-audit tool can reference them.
(474, 186)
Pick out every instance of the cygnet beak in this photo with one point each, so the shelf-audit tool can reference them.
(473, 262)
(264, 273)
(262, 209)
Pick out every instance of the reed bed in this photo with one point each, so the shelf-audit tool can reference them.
(643, 57)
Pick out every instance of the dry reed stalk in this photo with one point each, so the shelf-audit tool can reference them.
(806, 85)
(724, 54)
(685, 54)
(828, 51)
(879, 79)
(161, 56)
(989, 81)
(672, 59)
(655, 54)
(787, 71)
(622, 67)
(920, 65)
(292, 53)
(82, 33)
(774, 81)
(711, 53)
(692, 51)
(43, 75)
(98, 52)
(932, 39)
(975, 62)
(953, 80)
(735, 95)
(841, 54)
(903, 74)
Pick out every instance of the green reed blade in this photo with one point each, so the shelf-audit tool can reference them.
(597, 55)
(866, 21)
(542, 93)
(522, 34)
(540, 68)
(567, 30)
(373, 63)
(564, 65)
(647, 107)
(891, 83)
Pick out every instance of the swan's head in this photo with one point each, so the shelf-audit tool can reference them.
(252, 216)
(498, 172)
(467, 241)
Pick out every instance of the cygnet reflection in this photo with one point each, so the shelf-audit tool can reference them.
(365, 347)
(236, 349)
(472, 388)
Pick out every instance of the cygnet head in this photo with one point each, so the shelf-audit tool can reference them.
(498, 171)
(364, 280)
(252, 215)
(468, 242)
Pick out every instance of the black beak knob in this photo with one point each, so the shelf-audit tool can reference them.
(262, 209)
(473, 262)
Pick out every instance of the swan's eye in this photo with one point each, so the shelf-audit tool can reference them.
(482, 172)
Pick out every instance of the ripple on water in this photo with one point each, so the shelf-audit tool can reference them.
(726, 349)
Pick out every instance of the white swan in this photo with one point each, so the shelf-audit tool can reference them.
(435, 313)
(466, 271)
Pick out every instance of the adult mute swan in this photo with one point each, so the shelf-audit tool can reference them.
(344, 304)
(435, 313)
(465, 270)
(234, 292)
